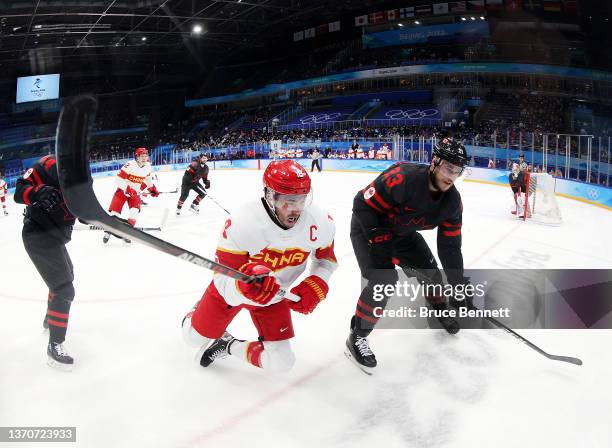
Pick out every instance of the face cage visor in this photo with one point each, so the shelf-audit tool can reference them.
(288, 202)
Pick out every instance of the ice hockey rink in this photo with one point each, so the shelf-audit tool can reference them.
(135, 383)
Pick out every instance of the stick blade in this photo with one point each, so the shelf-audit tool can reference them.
(567, 359)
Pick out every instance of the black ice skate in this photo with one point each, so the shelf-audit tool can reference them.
(58, 357)
(219, 349)
(195, 208)
(178, 212)
(106, 237)
(359, 352)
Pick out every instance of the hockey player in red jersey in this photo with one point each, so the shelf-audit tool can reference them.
(387, 217)
(3, 192)
(133, 177)
(274, 236)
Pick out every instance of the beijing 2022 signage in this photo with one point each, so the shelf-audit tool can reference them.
(37, 88)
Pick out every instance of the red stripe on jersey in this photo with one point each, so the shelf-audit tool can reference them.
(48, 162)
(326, 253)
(123, 175)
(26, 195)
(451, 232)
(253, 353)
(448, 224)
(56, 314)
(374, 206)
(364, 306)
(372, 320)
(231, 259)
(381, 201)
(57, 324)
(37, 179)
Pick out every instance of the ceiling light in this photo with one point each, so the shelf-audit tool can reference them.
(416, 22)
(197, 29)
(144, 38)
(481, 18)
(400, 25)
(473, 18)
(463, 18)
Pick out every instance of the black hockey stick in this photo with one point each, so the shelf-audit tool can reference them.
(72, 153)
(212, 199)
(424, 278)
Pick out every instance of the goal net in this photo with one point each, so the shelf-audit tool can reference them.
(541, 203)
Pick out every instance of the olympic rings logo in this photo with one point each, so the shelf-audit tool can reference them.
(592, 194)
(319, 118)
(410, 114)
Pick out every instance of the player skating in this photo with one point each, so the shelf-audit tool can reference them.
(273, 236)
(196, 171)
(3, 192)
(132, 178)
(387, 216)
(47, 228)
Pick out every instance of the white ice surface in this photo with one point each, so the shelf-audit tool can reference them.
(135, 384)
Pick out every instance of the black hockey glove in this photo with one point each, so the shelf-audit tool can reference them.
(380, 240)
(47, 198)
(206, 183)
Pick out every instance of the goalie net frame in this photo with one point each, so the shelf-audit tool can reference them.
(540, 201)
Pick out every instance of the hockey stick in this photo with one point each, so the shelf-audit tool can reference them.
(212, 199)
(72, 154)
(424, 278)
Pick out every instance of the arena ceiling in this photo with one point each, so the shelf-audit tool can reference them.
(52, 29)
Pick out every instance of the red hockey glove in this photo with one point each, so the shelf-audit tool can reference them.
(153, 190)
(260, 292)
(312, 290)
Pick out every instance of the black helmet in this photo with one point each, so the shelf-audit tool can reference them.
(452, 151)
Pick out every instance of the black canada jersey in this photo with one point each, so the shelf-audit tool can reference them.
(194, 172)
(518, 182)
(399, 199)
(58, 222)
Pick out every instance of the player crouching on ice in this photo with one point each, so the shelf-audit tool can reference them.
(275, 236)
(387, 217)
(133, 177)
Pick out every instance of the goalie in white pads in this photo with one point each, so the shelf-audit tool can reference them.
(519, 188)
(274, 235)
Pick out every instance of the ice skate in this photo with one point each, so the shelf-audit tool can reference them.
(219, 349)
(359, 353)
(58, 358)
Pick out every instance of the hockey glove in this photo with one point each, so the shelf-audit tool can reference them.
(206, 183)
(261, 291)
(380, 240)
(312, 290)
(47, 198)
(153, 191)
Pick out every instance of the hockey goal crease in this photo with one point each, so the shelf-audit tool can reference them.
(72, 152)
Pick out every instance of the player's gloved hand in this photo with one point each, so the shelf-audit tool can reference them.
(153, 190)
(262, 291)
(464, 294)
(206, 184)
(380, 240)
(312, 290)
(47, 198)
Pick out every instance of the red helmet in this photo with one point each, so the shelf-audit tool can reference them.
(287, 177)
(141, 152)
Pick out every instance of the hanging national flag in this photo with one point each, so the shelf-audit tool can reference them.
(532, 5)
(513, 5)
(298, 36)
(361, 20)
(406, 12)
(440, 8)
(475, 5)
(309, 33)
(458, 7)
(392, 15)
(376, 17)
(322, 29)
(334, 26)
(570, 6)
(552, 5)
(423, 10)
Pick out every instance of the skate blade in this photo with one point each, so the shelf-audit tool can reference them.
(367, 370)
(58, 365)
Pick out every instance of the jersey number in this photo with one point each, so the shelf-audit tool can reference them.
(228, 223)
(393, 177)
